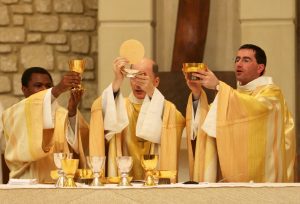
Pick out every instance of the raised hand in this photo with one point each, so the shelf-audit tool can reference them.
(119, 64)
(208, 79)
(145, 83)
(69, 80)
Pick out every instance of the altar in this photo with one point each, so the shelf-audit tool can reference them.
(175, 193)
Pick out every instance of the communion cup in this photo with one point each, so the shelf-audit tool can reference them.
(96, 163)
(190, 68)
(77, 65)
(149, 163)
(69, 167)
(124, 165)
(57, 157)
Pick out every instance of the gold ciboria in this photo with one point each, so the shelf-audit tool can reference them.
(77, 65)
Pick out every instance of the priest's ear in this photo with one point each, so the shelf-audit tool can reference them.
(156, 77)
(261, 69)
(27, 91)
(156, 81)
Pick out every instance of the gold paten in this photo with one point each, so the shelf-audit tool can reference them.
(165, 174)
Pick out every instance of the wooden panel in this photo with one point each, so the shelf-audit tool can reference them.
(191, 30)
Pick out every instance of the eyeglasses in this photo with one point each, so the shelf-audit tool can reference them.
(243, 59)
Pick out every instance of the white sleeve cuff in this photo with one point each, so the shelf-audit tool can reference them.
(115, 117)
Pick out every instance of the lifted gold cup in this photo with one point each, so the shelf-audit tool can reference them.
(77, 65)
(189, 68)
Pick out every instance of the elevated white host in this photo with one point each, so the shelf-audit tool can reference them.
(133, 50)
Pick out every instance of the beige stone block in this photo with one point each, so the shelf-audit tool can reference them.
(92, 13)
(8, 63)
(56, 39)
(17, 85)
(4, 17)
(68, 6)
(88, 75)
(18, 20)
(34, 37)
(5, 48)
(278, 40)
(56, 77)
(37, 55)
(129, 10)
(9, 1)
(62, 48)
(43, 6)
(22, 8)
(91, 4)
(42, 23)
(5, 84)
(80, 43)
(94, 44)
(112, 36)
(78, 23)
(267, 9)
(89, 63)
(62, 62)
(7, 100)
(12, 35)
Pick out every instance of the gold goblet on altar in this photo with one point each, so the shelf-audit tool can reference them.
(69, 167)
(149, 163)
(58, 157)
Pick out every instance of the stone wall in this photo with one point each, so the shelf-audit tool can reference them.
(47, 33)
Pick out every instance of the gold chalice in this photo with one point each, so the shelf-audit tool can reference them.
(149, 163)
(70, 166)
(77, 65)
(57, 157)
(96, 163)
(189, 68)
(124, 165)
